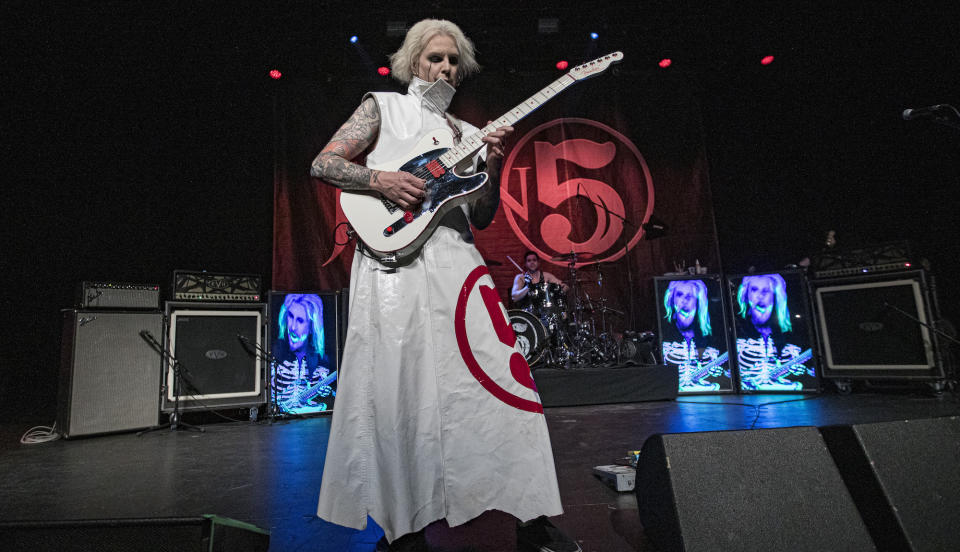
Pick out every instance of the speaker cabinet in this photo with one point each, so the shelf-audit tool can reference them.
(905, 479)
(768, 489)
(117, 296)
(872, 327)
(207, 533)
(217, 368)
(109, 376)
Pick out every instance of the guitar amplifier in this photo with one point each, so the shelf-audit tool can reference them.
(109, 376)
(192, 285)
(884, 257)
(115, 295)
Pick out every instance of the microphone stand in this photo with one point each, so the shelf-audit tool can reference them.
(273, 412)
(948, 370)
(952, 120)
(944, 114)
(916, 320)
(626, 258)
(174, 422)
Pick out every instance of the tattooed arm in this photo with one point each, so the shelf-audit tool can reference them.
(334, 166)
(483, 209)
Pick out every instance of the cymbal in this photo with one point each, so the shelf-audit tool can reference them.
(572, 257)
(491, 262)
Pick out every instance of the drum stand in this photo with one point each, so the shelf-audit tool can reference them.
(589, 348)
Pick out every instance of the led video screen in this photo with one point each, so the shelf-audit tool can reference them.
(304, 351)
(772, 332)
(693, 336)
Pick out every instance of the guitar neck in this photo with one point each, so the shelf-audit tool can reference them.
(469, 145)
(705, 369)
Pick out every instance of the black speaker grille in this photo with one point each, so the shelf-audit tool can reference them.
(112, 376)
(917, 466)
(217, 367)
(774, 489)
(873, 327)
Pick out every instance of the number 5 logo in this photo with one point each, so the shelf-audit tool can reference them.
(519, 368)
(556, 228)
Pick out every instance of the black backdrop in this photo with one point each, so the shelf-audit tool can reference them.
(138, 138)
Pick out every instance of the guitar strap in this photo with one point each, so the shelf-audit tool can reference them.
(456, 126)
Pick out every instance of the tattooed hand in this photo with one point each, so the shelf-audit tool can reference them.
(402, 188)
(333, 165)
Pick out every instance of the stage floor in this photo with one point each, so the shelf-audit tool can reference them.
(269, 474)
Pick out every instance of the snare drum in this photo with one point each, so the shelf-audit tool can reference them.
(531, 335)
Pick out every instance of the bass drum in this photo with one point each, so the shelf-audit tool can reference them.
(531, 335)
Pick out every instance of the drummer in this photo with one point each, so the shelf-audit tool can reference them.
(531, 276)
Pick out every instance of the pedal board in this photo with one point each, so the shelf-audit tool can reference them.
(620, 478)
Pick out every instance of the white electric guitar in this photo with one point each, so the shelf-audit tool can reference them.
(389, 232)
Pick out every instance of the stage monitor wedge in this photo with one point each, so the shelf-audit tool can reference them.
(767, 489)
(206, 533)
(904, 477)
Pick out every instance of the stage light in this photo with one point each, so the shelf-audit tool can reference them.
(594, 36)
(767, 60)
(562, 64)
(384, 71)
(665, 62)
(275, 75)
(353, 39)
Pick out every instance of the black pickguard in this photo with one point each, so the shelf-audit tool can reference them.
(439, 189)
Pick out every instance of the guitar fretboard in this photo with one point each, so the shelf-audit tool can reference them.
(469, 145)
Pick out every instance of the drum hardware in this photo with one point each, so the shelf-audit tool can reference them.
(572, 257)
(567, 330)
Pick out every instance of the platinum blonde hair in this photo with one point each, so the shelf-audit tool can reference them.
(403, 62)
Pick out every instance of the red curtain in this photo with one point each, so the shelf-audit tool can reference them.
(613, 169)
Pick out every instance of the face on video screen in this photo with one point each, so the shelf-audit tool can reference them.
(298, 326)
(687, 337)
(759, 294)
(304, 367)
(773, 348)
(685, 303)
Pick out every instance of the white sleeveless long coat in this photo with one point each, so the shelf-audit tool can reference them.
(436, 416)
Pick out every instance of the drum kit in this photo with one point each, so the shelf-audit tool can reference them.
(555, 332)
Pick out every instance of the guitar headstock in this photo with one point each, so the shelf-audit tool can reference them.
(596, 66)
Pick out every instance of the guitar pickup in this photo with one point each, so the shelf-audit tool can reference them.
(436, 169)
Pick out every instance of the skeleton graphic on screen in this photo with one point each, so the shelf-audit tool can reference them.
(686, 305)
(765, 365)
(299, 352)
